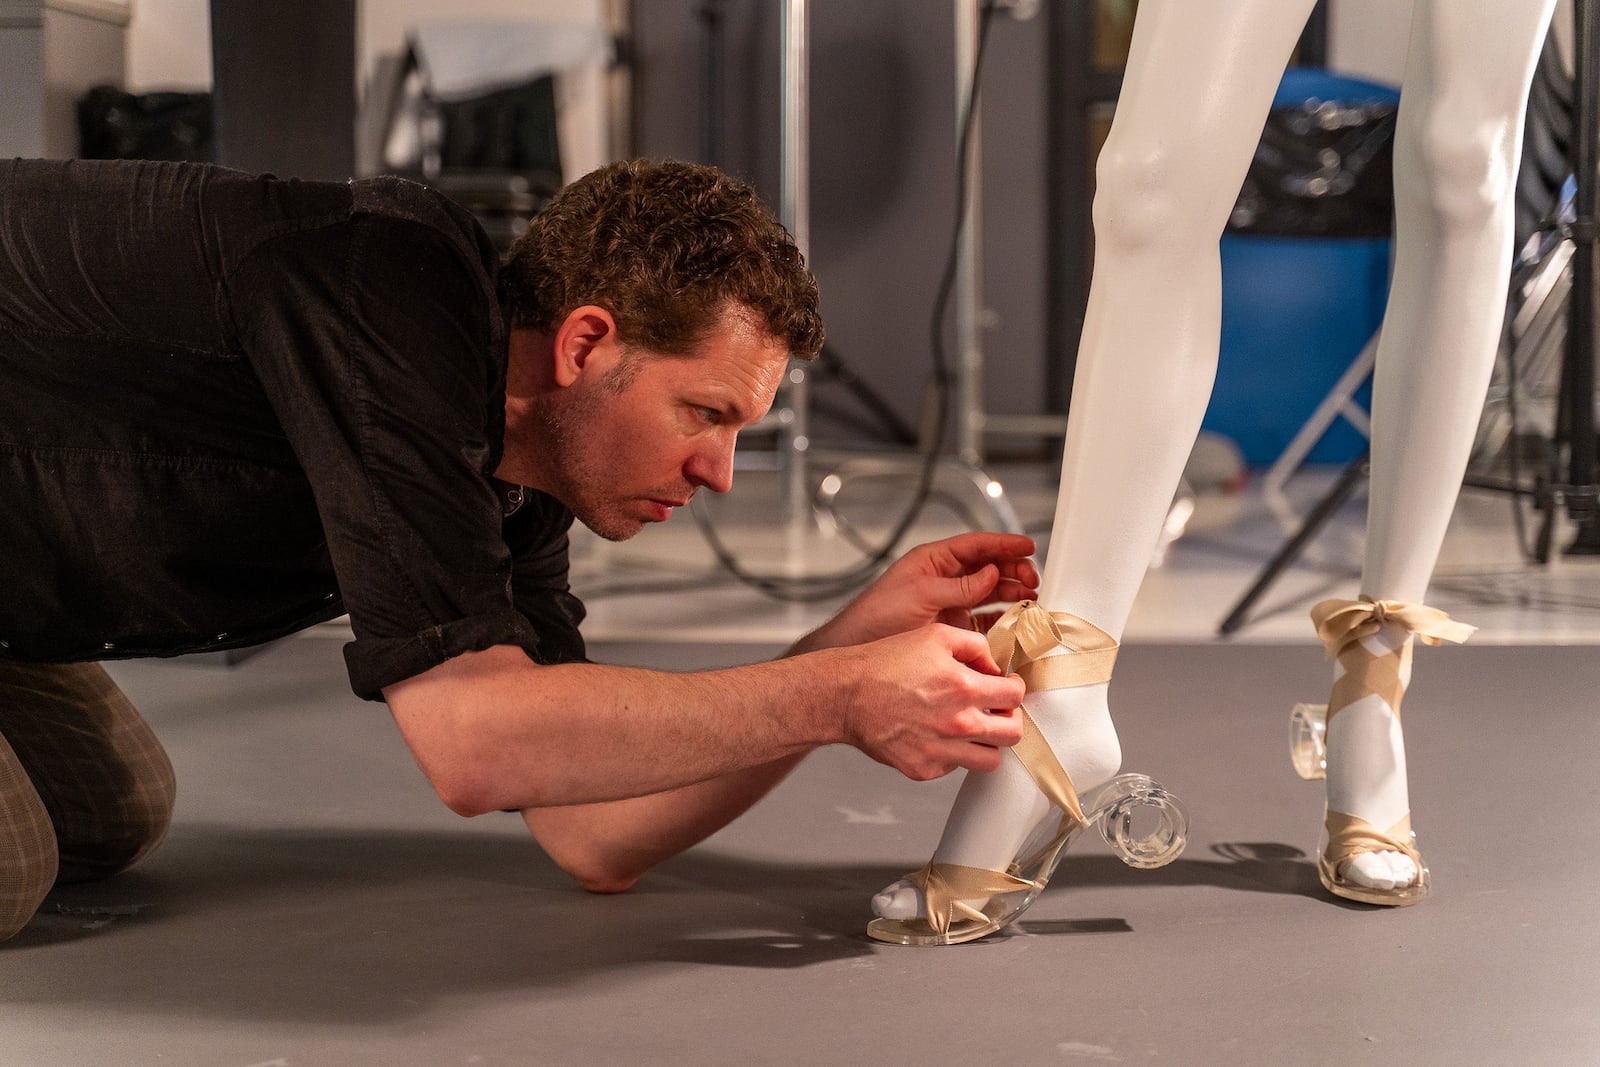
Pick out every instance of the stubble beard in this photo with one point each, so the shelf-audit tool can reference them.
(583, 473)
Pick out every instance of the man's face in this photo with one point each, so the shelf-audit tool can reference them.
(631, 443)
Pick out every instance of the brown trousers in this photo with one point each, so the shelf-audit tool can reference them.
(86, 790)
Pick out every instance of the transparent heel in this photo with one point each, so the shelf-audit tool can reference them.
(1308, 741)
(1145, 825)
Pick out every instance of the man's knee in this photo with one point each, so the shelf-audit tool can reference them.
(136, 824)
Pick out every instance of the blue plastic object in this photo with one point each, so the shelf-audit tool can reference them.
(1296, 312)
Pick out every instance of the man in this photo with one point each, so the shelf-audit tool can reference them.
(233, 406)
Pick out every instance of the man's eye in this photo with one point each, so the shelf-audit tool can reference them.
(708, 414)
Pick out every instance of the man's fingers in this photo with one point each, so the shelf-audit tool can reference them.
(972, 649)
(962, 755)
(981, 758)
(1008, 591)
(1000, 692)
(970, 550)
(996, 730)
(975, 588)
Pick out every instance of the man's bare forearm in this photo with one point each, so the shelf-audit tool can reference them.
(616, 768)
(608, 846)
(494, 731)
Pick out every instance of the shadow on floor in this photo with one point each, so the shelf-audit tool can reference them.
(362, 926)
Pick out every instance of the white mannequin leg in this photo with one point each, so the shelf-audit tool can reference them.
(1456, 149)
(1167, 178)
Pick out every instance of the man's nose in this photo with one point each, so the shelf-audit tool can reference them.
(711, 465)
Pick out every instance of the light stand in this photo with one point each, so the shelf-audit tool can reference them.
(794, 209)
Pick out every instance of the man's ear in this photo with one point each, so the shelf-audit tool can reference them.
(586, 340)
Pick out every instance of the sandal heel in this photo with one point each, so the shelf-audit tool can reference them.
(1308, 741)
(1144, 824)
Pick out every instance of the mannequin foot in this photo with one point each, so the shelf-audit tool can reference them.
(948, 904)
(1009, 828)
(1308, 751)
(1369, 853)
(995, 812)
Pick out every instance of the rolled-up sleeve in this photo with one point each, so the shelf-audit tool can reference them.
(379, 346)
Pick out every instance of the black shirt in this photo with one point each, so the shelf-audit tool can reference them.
(233, 406)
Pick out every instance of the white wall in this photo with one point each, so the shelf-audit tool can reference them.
(51, 52)
(169, 47)
(383, 23)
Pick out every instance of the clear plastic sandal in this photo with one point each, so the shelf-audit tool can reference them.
(1143, 823)
(1342, 625)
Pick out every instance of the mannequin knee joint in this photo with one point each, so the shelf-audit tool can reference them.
(1455, 171)
(1136, 198)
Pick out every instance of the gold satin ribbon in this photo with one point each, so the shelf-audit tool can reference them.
(1343, 624)
(948, 886)
(1350, 836)
(1022, 637)
(1019, 641)
(1340, 622)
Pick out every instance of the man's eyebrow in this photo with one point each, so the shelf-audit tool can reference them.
(727, 407)
(728, 413)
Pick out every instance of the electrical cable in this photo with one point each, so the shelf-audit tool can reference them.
(812, 588)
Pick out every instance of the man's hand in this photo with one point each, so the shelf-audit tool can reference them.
(930, 701)
(937, 582)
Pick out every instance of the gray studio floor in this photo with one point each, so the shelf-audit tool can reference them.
(315, 904)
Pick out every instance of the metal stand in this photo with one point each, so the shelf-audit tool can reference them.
(794, 208)
(1575, 426)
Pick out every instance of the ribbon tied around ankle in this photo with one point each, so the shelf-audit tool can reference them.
(1341, 622)
(1020, 642)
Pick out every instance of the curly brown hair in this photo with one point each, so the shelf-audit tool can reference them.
(666, 247)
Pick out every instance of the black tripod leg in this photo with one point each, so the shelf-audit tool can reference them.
(1353, 475)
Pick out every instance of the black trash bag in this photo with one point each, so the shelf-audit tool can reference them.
(1323, 169)
(113, 124)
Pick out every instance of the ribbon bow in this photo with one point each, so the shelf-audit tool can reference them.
(1342, 622)
(1021, 639)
